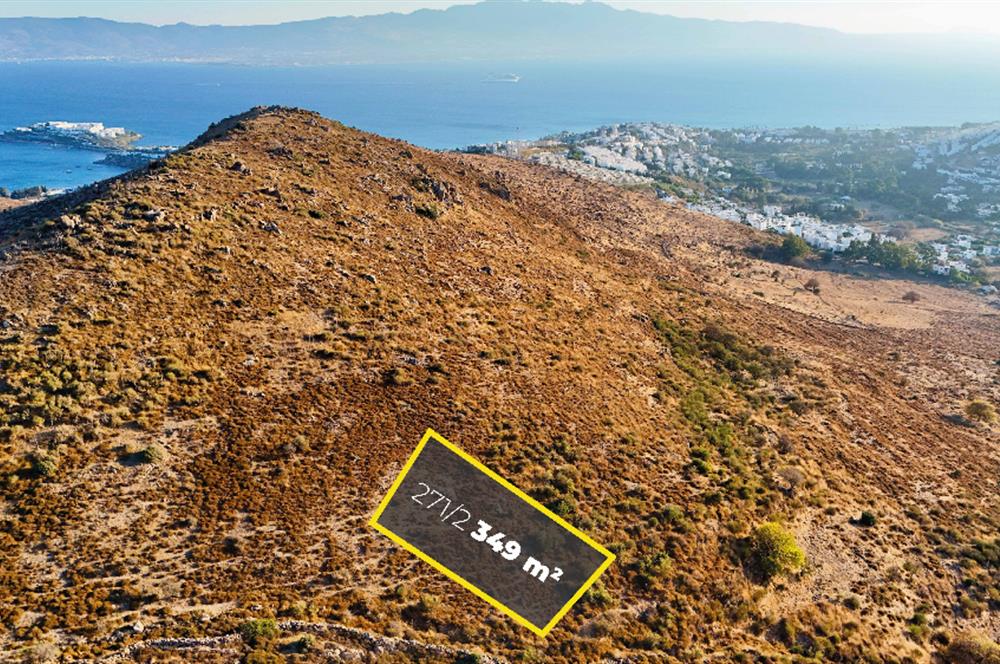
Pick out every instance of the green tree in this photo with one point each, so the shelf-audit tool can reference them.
(793, 247)
(775, 550)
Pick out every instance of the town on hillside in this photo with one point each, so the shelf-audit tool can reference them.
(928, 198)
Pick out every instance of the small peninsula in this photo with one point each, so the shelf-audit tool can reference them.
(82, 135)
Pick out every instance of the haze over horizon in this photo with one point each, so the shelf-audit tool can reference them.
(858, 18)
(497, 31)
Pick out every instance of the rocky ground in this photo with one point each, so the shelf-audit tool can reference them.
(212, 369)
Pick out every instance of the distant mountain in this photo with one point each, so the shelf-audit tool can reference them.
(485, 31)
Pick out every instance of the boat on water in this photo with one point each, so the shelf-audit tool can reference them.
(502, 78)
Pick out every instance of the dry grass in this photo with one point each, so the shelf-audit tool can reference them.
(286, 329)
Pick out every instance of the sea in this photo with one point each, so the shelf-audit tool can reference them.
(446, 106)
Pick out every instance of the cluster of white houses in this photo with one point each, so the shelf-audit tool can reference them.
(816, 233)
(632, 151)
(956, 254)
(953, 255)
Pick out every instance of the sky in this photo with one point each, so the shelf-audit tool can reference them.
(848, 16)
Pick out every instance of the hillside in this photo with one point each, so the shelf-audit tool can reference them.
(483, 31)
(212, 369)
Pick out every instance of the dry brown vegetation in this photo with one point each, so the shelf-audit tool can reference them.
(211, 370)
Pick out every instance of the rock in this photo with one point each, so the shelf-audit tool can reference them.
(486, 269)
(138, 627)
(209, 215)
(369, 277)
(270, 227)
(239, 167)
(499, 187)
(154, 215)
(444, 192)
(70, 221)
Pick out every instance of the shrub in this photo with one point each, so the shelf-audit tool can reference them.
(866, 520)
(255, 632)
(598, 596)
(911, 296)
(775, 550)
(673, 513)
(427, 604)
(429, 210)
(152, 454)
(397, 376)
(652, 568)
(918, 627)
(305, 643)
(44, 465)
(813, 285)
(970, 608)
(972, 649)
(981, 411)
(799, 406)
(263, 657)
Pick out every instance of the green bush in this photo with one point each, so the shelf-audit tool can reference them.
(255, 632)
(775, 550)
(152, 454)
(598, 596)
(44, 465)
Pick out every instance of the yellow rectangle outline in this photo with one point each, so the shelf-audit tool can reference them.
(540, 631)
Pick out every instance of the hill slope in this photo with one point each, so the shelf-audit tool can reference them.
(211, 370)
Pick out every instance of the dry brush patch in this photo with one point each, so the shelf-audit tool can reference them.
(210, 370)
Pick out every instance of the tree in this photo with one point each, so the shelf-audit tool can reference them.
(910, 297)
(812, 286)
(793, 247)
(981, 411)
(775, 550)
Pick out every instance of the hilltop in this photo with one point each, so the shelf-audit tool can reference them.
(212, 368)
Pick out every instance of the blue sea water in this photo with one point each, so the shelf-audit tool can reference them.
(446, 106)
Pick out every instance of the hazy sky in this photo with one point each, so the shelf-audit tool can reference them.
(847, 16)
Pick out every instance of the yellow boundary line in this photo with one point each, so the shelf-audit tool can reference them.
(540, 631)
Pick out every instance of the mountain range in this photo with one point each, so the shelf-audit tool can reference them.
(484, 31)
